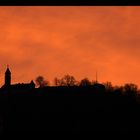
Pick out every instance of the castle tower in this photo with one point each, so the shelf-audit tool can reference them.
(7, 77)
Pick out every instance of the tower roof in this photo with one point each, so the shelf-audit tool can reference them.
(7, 70)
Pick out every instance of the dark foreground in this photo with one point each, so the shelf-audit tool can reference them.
(68, 110)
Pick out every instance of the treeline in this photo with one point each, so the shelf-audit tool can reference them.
(66, 80)
(69, 80)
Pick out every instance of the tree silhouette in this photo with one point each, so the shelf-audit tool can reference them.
(57, 81)
(108, 86)
(41, 82)
(67, 80)
(85, 82)
(130, 89)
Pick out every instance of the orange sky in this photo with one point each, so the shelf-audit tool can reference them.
(53, 41)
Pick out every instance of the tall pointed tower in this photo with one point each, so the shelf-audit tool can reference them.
(7, 77)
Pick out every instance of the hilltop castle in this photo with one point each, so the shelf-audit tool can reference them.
(19, 86)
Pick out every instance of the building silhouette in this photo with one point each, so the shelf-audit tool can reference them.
(19, 86)
(7, 77)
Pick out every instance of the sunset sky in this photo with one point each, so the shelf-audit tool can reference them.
(54, 41)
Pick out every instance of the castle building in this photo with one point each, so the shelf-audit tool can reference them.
(19, 86)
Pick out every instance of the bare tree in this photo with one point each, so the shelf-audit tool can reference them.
(57, 81)
(130, 89)
(108, 86)
(41, 82)
(85, 82)
(67, 80)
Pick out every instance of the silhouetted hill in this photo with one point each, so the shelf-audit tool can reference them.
(68, 109)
